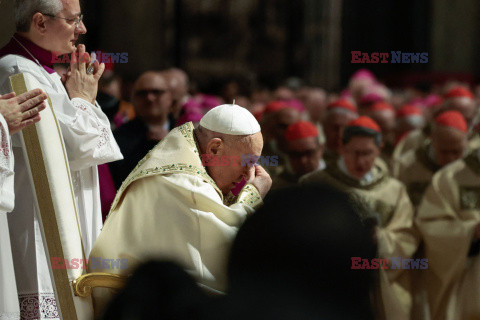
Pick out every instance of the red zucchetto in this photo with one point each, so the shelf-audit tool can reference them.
(380, 106)
(342, 104)
(300, 130)
(459, 92)
(362, 126)
(274, 106)
(365, 122)
(452, 119)
(409, 110)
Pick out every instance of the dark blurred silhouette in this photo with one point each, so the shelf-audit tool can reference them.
(292, 258)
(158, 290)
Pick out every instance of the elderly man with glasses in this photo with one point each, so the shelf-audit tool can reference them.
(44, 27)
(152, 100)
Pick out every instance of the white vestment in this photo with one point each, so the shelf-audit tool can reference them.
(170, 208)
(8, 289)
(89, 142)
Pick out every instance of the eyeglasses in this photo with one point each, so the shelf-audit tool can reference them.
(75, 20)
(144, 93)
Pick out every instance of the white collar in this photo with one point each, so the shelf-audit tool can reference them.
(322, 165)
(184, 99)
(365, 180)
(165, 125)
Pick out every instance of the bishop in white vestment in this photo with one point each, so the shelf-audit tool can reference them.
(88, 141)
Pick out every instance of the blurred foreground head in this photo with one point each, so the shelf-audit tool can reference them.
(295, 253)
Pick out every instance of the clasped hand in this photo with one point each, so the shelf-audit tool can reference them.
(77, 81)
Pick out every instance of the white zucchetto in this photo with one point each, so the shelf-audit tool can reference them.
(230, 119)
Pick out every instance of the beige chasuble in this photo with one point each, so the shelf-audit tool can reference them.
(447, 217)
(417, 138)
(412, 141)
(415, 169)
(170, 208)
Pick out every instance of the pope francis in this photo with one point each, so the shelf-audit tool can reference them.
(173, 207)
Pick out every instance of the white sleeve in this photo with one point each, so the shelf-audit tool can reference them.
(85, 128)
(212, 228)
(86, 131)
(7, 195)
(205, 199)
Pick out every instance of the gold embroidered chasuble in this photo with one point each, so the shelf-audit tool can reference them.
(170, 208)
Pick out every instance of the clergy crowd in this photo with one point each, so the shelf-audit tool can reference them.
(243, 201)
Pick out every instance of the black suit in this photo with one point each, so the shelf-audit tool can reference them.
(134, 144)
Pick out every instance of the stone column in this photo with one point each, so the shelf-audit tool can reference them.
(141, 28)
(454, 36)
(7, 24)
(323, 36)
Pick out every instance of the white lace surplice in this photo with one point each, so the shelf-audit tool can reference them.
(8, 289)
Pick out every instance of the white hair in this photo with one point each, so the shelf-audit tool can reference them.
(25, 9)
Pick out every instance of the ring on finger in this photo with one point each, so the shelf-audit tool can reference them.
(90, 69)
